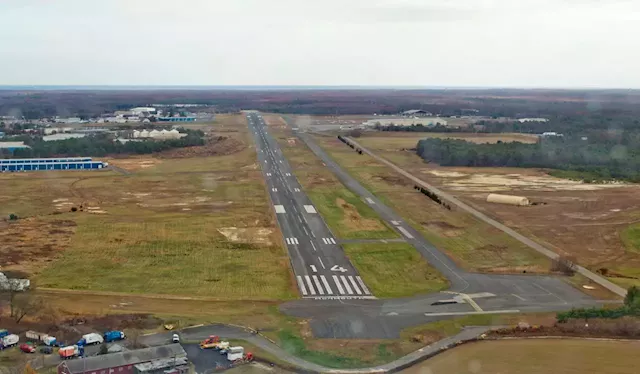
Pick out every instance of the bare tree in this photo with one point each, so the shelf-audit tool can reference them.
(133, 336)
(25, 304)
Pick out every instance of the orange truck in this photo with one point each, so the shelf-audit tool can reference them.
(214, 342)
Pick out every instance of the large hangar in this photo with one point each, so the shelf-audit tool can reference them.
(43, 164)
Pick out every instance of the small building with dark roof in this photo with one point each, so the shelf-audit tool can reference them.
(416, 113)
(170, 357)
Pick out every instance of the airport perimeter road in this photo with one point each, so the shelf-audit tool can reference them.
(321, 268)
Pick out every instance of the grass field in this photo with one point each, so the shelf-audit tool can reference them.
(394, 269)
(631, 238)
(536, 356)
(472, 243)
(184, 226)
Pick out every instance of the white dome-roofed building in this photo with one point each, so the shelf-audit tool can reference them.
(154, 134)
(144, 134)
(136, 133)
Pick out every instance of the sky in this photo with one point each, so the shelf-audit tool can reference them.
(454, 43)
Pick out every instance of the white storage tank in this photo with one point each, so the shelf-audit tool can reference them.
(508, 199)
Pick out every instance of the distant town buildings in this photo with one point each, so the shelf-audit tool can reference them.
(155, 134)
(12, 146)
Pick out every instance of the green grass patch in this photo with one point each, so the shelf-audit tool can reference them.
(296, 346)
(348, 216)
(631, 238)
(394, 269)
(167, 254)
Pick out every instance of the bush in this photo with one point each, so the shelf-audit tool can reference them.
(13, 217)
(565, 265)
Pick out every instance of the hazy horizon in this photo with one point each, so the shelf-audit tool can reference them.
(547, 44)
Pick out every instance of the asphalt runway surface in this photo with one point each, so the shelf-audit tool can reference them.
(361, 315)
(321, 268)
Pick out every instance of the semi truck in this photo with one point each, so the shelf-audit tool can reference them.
(92, 338)
(41, 337)
(112, 336)
(9, 341)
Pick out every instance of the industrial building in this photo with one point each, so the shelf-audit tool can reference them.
(424, 121)
(12, 146)
(38, 164)
(155, 360)
(416, 113)
(176, 119)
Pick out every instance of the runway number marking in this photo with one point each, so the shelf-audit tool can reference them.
(338, 268)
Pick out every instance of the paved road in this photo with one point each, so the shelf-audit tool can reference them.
(509, 231)
(235, 332)
(322, 269)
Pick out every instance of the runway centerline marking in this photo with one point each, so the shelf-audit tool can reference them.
(321, 263)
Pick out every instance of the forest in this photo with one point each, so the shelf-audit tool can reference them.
(100, 145)
(613, 156)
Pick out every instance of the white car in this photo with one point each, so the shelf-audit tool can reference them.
(175, 338)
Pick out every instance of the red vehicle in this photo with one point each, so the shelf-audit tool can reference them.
(27, 348)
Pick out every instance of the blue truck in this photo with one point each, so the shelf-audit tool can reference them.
(112, 336)
(3, 333)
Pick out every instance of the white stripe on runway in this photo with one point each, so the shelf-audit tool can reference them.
(295, 241)
(326, 284)
(364, 287)
(405, 232)
(324, 240)
(279, 208)
(395, 223)
(301, 286)
(288, 241)
(313, 292)
(332, 240)
(313, 268)
(337, 282)
(370, 201)
(317, 282)
(346, 284)
(355, 286)
(310, 209)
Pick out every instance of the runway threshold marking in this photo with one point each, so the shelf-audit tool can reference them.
(310, 209)
(370, 201)
(405, 232)
(279, 209)
(301, 285)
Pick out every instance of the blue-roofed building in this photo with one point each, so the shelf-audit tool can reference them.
(43, 164)
(12, 146)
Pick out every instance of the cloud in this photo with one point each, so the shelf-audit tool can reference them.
(377, 42)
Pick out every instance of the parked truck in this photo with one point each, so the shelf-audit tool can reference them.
(41, 337)
(69, 352)
(3, 333)
(92, 338)
(112, 336)
(9, 341)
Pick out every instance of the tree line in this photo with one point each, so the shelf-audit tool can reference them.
(591, 159)
(101, 145)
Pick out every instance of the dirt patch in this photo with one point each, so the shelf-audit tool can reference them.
(443, 228)
(216, 145)
(354, 220)
(133, 163)
(503, 182)
(29, 244)
(254, 235)
(392, 180)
